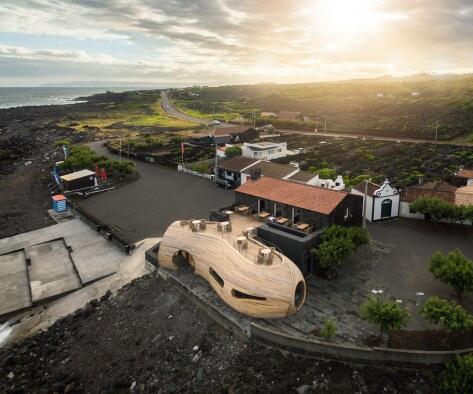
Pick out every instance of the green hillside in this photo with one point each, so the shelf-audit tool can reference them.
(353, 106)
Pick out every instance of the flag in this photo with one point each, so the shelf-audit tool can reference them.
(103, 174)
(56, 175)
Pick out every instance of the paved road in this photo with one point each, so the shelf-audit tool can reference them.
(146, 207)
(175, 113)
(376, 138)
(172, 111)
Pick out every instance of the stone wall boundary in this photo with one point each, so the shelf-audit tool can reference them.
(347, 352)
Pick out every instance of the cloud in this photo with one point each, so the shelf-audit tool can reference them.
(245, 40)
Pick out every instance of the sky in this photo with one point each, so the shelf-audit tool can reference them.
(216, 42)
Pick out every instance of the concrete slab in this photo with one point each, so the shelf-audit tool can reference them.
(51, 271)
(14, 288)
(95, 258)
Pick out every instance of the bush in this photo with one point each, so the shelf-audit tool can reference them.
(203, 168)
(233, 151)
(453, 269)
(447, 313)
(438, 209)
(458, 375)
(81, 157)
(62, 142)
(386, 314)
(337, 243)
(329, 329)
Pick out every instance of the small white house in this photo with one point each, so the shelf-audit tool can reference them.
(336, 184)
(264, 150)
(382, 202)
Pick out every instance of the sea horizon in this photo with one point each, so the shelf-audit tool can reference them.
(24, 96)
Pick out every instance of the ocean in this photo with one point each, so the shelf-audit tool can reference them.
(22, 96)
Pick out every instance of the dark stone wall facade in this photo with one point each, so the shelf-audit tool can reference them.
(296, 247)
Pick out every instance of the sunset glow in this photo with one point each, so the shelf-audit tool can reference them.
(225, 40)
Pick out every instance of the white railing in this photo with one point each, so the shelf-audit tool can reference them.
(185, 170)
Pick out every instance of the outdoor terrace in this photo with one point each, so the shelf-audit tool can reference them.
(240, 232)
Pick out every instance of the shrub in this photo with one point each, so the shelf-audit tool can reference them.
(233, 151)
(458, 375)
(453, 269)
(327, 173)
(447, 313)
(438, 209)
(337, 243)
(329, 329)
(81, 156)
(62, 142)
(203, 168)
(386, 314)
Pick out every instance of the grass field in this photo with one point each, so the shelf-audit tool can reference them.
(118, 118)
(158, 118)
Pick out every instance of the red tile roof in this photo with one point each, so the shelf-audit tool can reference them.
(465, 173)
(298, 195)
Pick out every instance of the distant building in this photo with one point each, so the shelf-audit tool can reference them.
(464, 195)
(380, 95)
(438, 189)
(268, 114)
(382, 201)
(230, 170)
(238, 170)
(79, 180)
(225, 135)
(465, 177)
(337, 184)
(264, 150)
(288, 115)
(415, 93)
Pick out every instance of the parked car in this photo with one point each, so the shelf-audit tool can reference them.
(215, 122)
(225, 184)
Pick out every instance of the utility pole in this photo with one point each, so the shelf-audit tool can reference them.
(254, 119)
(436, 131)
(216, 160)
(325, 125)
(364, 203)
(120, 157)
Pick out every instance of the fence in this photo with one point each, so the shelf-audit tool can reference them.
(184, 168)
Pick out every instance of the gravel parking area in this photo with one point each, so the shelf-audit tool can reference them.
(146, 207)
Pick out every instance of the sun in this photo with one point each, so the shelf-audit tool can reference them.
(343, 17)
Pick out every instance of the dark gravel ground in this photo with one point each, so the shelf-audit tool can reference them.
(151, 338)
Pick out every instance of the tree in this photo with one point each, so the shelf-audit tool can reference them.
(233, 151)
(447, 313)
(337, 243)
(386, 314)
(453, 269)
(458, 375)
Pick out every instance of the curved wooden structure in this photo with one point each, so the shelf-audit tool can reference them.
(250, 277)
